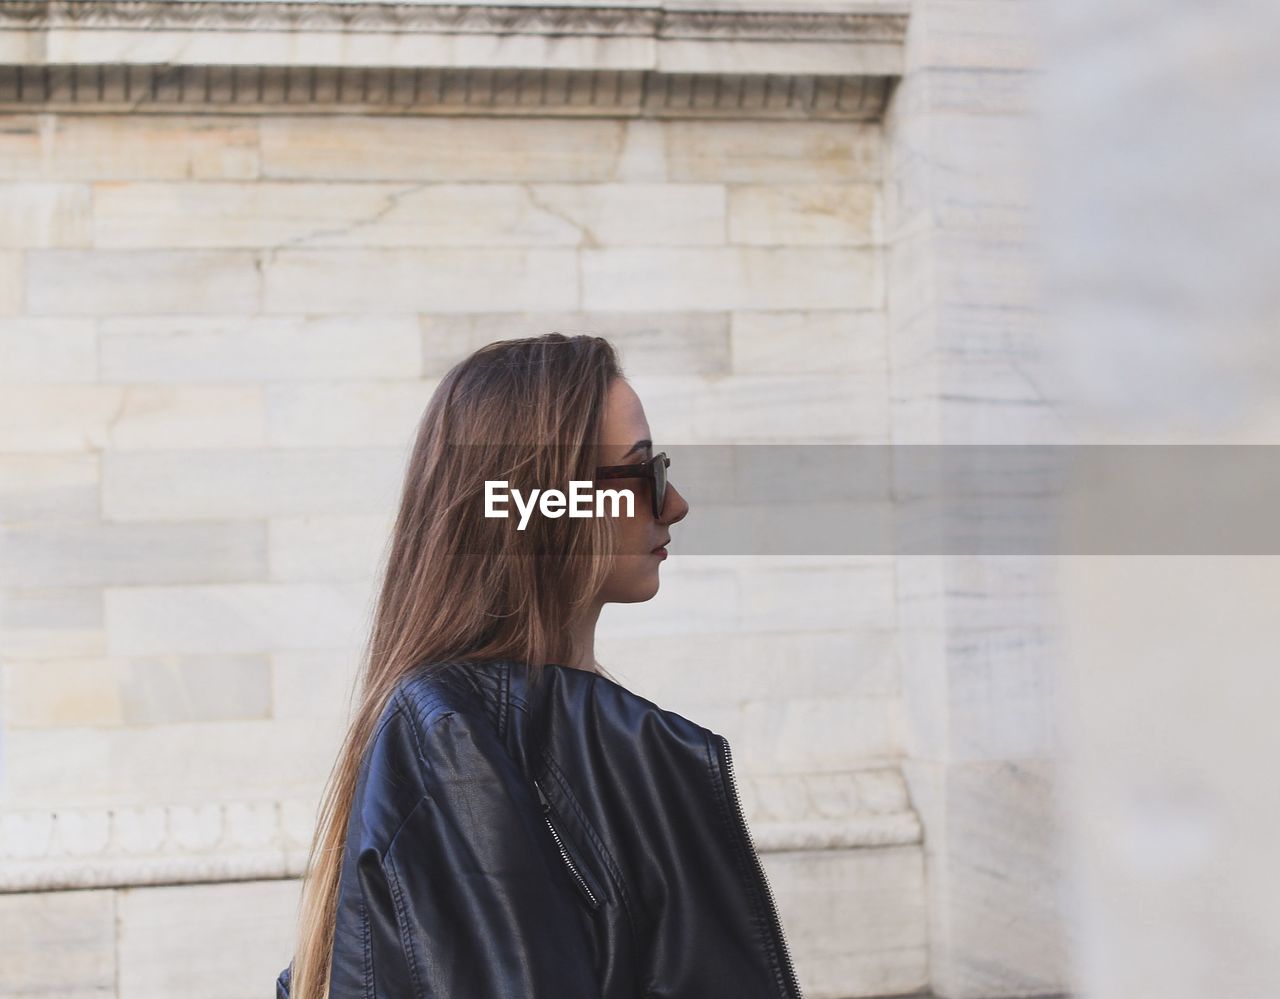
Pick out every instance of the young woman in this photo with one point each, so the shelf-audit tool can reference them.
(505, 821)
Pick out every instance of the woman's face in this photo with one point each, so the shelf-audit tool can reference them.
(642, 540)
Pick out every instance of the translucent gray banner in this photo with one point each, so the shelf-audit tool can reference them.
(977, 499)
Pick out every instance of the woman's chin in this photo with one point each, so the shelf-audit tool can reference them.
(638, 590)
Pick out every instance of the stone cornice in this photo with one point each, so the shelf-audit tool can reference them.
(830, 61)
(881, 23)
(241, 840)
(480, 91)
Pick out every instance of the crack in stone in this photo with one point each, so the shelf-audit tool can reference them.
(109, 425)
(393, 200)
(586, 238)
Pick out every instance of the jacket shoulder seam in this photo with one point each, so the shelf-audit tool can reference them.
(405, 711)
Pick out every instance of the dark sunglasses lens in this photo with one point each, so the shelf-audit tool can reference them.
(659, 484)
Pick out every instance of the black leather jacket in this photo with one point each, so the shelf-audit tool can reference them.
(560, 840)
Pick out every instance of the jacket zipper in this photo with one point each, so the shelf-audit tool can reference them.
(787, 968)
(564, 853)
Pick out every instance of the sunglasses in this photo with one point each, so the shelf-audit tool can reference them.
(654, 470)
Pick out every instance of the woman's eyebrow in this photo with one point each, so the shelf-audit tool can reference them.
(639, 445)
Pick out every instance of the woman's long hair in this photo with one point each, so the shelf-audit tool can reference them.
(459, 586)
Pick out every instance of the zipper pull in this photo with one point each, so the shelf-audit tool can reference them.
(546, 805)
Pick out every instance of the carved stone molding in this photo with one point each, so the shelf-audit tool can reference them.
(220, 841)
(427, 58)
(886, 24)
(294, 89)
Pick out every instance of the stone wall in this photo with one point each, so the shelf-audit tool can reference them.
(227, 289)
(220, 335)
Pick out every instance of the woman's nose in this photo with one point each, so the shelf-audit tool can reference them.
(674, 506)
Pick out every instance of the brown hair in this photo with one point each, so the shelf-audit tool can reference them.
(462, 587)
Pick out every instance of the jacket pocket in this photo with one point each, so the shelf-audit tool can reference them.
(577, 871)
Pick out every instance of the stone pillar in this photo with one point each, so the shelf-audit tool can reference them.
(968, 366)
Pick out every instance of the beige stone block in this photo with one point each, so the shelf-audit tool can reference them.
(257, 349)
(857, 594)
(316, 683)
(907, 197)
(983, 176)
(12, 268)
(732, 278)
(189, 485)
(981, 34)
(50, 623)
(670, 405)
(982, 592)
(346, 414)
(154, 417)
(48, 487)
(234, 617)
(133, 417)
(234, 215)
(86, 553)
(116, 282)
(136, 691)
(926, 725)
(998, 335)
(686, 343)
(963, 170)
(808, 409)
(1001, 693)
(855, 919)
(1003, 401)
(58, 944)
(823, 734)
(313, 147)
(327, 548)
(45, 215)
(381, 281)
(643, 158)
(188, 763)
(810, 342)
(691, 343)
(96, 147)
(47, 350)
(974, 269)
(213, 941)
(636, 213)
(805, 214)
(58, 417)
(64, 692)
(337, 214)
(992, 834)
(867, 792)
(795, 152)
